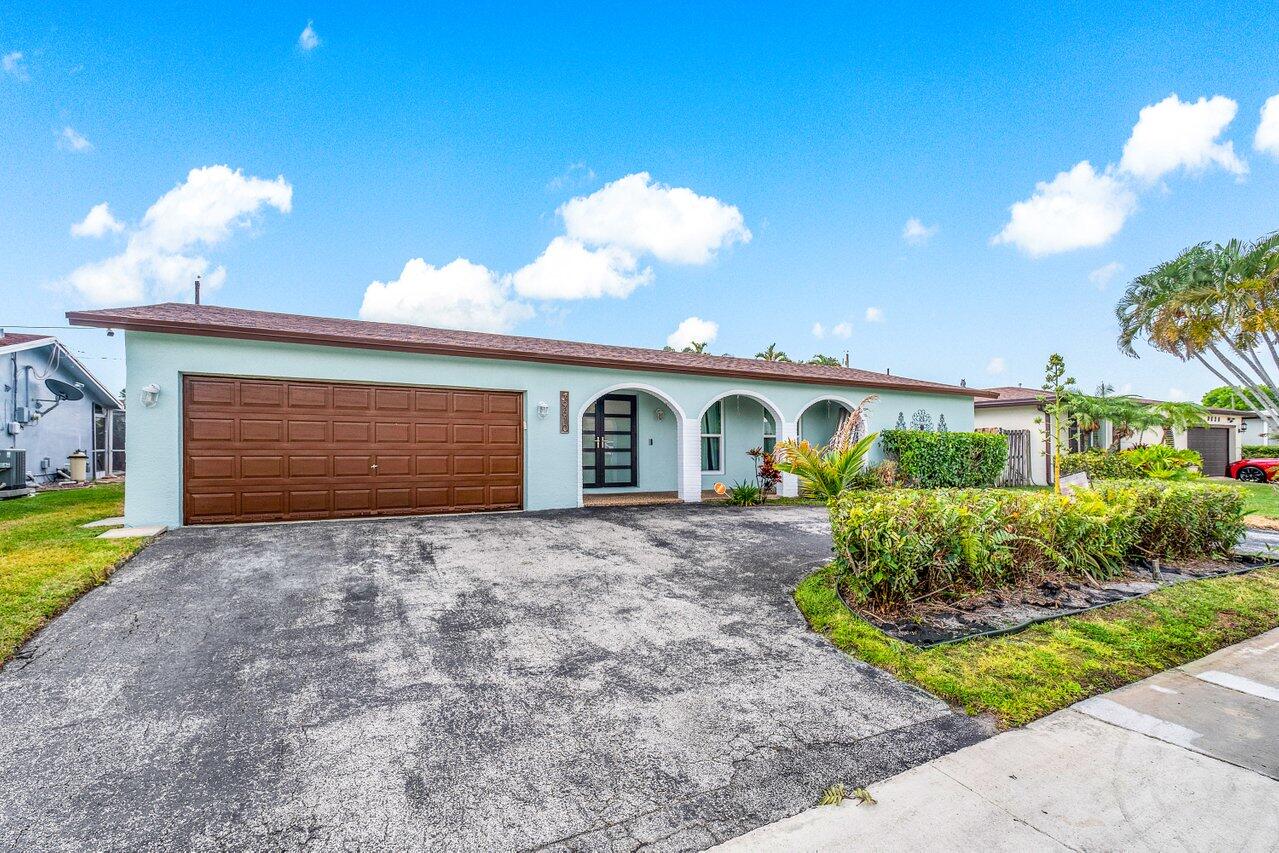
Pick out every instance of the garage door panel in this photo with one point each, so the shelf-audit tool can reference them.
(308, 466)
(260, 449)
(261, 430)
(264, 395)
(262, 503)
(503, 434)
(354, 432)
(211, 467)
(308, 431)
(261, 467)
(215, 392)
(211, 429)
(393, 433)
(309, 397)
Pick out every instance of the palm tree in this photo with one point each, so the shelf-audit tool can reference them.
(827, 360)
(695, 346)
(1219, 305)
(772, 353)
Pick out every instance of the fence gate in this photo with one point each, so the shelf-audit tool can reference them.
(1017, 468)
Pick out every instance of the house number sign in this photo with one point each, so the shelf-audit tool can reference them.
(564, 412)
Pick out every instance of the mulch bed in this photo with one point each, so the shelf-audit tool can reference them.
(1004, 611)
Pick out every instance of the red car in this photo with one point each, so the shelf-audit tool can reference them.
(1253, 470)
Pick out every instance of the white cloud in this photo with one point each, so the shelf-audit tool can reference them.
(1175, 134)
(69, 140)
(839, 330)
(569, 270)
(158, 260)
(917, 233)
(1176, 395)
(693, 329)
(1102, 276)
(574, 175)
(14, 66)
(97, 223)
(996, 366)
(873, 315)
(845, 330)
(309, 39)
(1267, 138)
(1074, 210)
(673, 224)
(458, 295)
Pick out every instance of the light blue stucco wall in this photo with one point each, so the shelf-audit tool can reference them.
(552, 460)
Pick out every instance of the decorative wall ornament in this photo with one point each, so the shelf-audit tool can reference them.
(901, 421)
(941, 424)
(921, 421)
(564, 412)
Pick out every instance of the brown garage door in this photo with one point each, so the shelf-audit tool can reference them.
(1213, 444)
(266, 449)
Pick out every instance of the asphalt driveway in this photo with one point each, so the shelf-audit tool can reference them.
(606, 679)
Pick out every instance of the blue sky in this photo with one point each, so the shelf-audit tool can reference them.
(786, 154)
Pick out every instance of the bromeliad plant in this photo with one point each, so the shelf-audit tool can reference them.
(823, 472)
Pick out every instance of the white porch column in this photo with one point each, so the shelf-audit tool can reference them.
(688, 461)
(790, 483)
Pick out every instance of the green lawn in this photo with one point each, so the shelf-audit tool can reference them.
(1022, 677)
(1262, 499)
(49, 561)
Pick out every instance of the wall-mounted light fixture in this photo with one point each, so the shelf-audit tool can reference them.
(659, 413)
(543, 409)
(150, 395)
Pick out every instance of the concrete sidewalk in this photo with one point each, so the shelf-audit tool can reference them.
(1187, 760)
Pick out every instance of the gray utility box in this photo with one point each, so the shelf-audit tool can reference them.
(13, 470)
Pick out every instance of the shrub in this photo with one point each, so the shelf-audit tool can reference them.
(900, 545)
(1158, 461)
(1099, 465)
(745, 494)
(1259, 451)
(823, 472)
(947, 459)
(1179, 520)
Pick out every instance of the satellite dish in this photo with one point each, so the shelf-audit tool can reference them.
(63, 390)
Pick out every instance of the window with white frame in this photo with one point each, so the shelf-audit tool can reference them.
(770, 432)
(713, 439)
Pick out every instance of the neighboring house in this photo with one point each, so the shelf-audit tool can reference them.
(246, 415)
(1254, 431)
(1019, 409)
(49, 433)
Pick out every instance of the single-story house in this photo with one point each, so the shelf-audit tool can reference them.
(1020, 410)
(50, 430)
(252, 416)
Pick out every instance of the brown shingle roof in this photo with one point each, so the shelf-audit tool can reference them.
(9, 339)
(1009, 395)
(217, 321)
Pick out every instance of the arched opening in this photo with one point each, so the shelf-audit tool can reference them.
(731, 426)
(630, 448)
(819, 420)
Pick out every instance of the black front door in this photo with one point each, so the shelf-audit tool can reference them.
(608, 443)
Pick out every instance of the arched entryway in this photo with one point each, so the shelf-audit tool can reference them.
(820, 418)
(730, 425)
(631, 446)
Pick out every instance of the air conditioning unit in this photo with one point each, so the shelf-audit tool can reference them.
(13, 469)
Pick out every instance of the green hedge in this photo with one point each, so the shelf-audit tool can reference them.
(1259, 451)
(1156, 461)
(1099, 465)
(946, 459)
(899, 545)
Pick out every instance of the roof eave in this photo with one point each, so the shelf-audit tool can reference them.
(105, 320)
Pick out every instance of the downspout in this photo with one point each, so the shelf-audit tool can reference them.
(13, 394)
